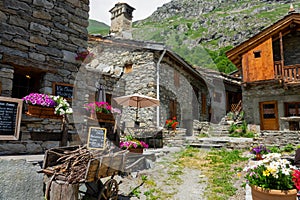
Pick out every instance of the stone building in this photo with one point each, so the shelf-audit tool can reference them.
(269, 64)
(153, 69)
(39, 42)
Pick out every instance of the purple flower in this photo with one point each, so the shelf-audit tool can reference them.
(39, 99)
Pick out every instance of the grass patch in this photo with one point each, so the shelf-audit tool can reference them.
(219, 172)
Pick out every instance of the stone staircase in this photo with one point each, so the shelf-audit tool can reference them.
(219, 130)
(218, 137)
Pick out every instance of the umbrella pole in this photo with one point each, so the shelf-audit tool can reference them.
(137, 110)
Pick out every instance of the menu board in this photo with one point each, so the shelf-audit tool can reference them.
(10, 118)
(96, 138)
(63, 89)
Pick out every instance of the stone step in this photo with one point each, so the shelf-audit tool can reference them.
(206, 146)
(207, 140)
(219, 134)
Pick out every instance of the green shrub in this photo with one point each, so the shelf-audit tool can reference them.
(274, 149)
(288, 148)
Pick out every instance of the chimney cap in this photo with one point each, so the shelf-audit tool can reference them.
(291, 10)
(120, 4)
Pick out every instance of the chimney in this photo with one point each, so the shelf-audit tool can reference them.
(121, 20)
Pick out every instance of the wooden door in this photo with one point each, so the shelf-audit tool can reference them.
(269, 115)
(173, 109)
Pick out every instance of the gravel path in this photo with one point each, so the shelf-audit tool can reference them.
(193, 185)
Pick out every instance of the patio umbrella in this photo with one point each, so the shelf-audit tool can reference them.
(138, 101)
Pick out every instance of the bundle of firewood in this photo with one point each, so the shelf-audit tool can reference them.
(71, 166)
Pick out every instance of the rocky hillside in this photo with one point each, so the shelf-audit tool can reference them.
(201, 31)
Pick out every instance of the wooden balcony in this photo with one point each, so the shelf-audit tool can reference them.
(289, 74)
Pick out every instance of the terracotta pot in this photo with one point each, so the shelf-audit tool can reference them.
(259, 193)
(136, 150)
(42, 112)
(258, 156)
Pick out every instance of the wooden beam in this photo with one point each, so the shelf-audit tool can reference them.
(281, 53)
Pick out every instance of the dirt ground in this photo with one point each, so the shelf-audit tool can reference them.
(165, 180)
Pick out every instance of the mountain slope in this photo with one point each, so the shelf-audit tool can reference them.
(201, 31)
(96, 27)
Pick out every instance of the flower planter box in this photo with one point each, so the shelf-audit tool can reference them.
(136, 150)
(42, 112)
(103, 117)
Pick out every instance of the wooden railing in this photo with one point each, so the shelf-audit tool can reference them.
(289, 74)
(236, 107)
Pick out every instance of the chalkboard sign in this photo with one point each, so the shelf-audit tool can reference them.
(96, 138)
(10, 118)
(63, 89)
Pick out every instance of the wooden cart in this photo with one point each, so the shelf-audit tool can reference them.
(79, 166)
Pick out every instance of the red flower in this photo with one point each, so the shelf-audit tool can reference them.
(296, 178)
(171, 122)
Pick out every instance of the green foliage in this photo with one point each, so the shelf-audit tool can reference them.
(240, 130)
(136, 192)
(220, 59)
(274, 149)
(288, 148)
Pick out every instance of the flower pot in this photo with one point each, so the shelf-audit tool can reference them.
(258, 156)
(138, 150)
(259, 193)
(42, 112)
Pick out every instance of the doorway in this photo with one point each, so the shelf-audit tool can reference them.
(268, 115)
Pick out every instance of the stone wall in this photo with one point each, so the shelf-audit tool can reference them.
(44, 37)
(267, 92)
(113, 59)
(291, 49)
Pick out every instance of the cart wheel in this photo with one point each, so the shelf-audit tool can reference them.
(110, 190)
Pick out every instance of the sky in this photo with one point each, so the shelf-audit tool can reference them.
(99, 9)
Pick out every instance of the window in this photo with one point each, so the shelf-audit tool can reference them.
(292, 109)
(128, 68)
(257, 54)
(25, 83)
(269, 111)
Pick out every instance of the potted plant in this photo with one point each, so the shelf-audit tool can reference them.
(258, 151)
(85, 56)
(133, 145)
(273, 178)
(102, 111)
(171, 123)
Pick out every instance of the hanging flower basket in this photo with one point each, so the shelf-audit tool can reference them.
(42, 112)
